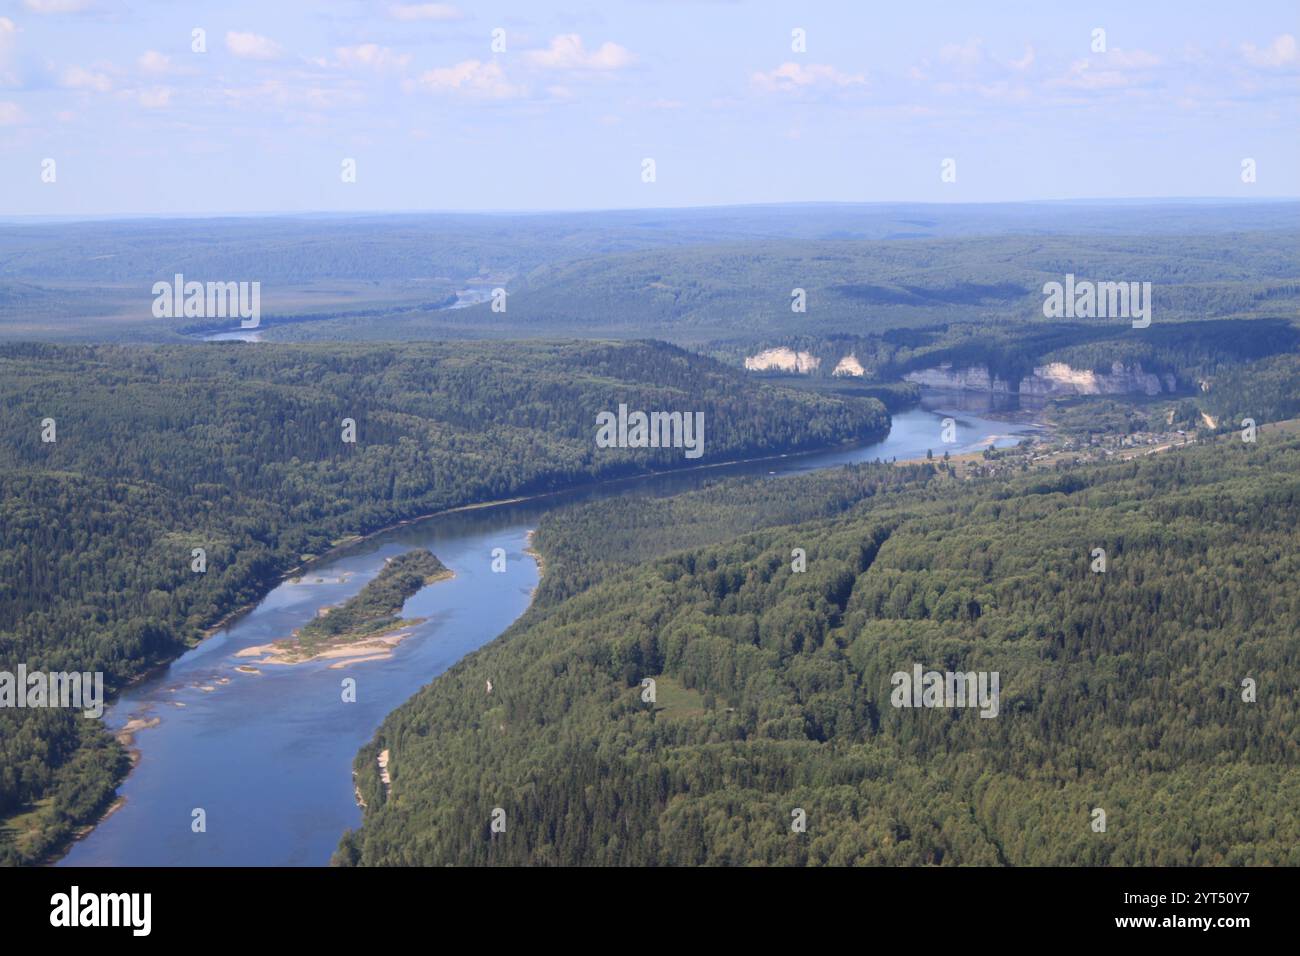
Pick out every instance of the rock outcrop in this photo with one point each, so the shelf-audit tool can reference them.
(1055, 378)
(849, 365)
(783, 360)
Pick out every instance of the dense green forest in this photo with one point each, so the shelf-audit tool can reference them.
(239, 451)
(378, 605)
(125, 468)
(1121, 691)
(1267, 390)
(462, 245)
(695, 294)
(687, 276)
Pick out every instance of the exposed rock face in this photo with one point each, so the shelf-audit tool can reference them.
(849, 365)
(784, 360)
(1055, 378)
(973, 379)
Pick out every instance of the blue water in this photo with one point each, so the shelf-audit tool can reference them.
(268, 756)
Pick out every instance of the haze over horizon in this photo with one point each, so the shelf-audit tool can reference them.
(1128, 201)
(563, 114)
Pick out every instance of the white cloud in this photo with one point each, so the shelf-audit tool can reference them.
(791, 76)
(77, 78)
(472, 78)
(45, 7)
(8, 41)
(251, 46)
(424, 11)
(1116, 70)
(280, 95)
(1281, 52)
(1081, 76)
(371, 56)
(1024, 62)
(1131, 59)
(155, 99)
(1002, 90)
(967, 54)
(151, 61)
(566, 52)
(10, 113)
(961, 68)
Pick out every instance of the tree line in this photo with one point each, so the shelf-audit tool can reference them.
(233, 459)
(1157, 691)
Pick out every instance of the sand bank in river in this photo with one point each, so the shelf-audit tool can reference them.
(126, 736)
(376, 648)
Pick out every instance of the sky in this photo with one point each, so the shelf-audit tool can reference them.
(107, 107)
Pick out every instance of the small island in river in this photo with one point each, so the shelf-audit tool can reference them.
(365, 627)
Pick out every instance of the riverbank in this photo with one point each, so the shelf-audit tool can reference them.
(376, 648)
(255, 673)
(343, 547)
(85, 831)
(532, 552)
(274, 723)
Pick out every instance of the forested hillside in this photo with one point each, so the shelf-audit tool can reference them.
(461, 245)
(694, 293)
(685, 275)
(1267, 390)
(1121, 691)
(240, 451)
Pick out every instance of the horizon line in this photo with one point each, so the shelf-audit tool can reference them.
(597, 210)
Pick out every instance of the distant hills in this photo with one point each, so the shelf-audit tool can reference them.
(686, 275)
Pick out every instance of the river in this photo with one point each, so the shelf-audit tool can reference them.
(267, 757)
(464, 299)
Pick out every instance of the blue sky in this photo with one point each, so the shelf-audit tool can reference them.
(137, 122)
